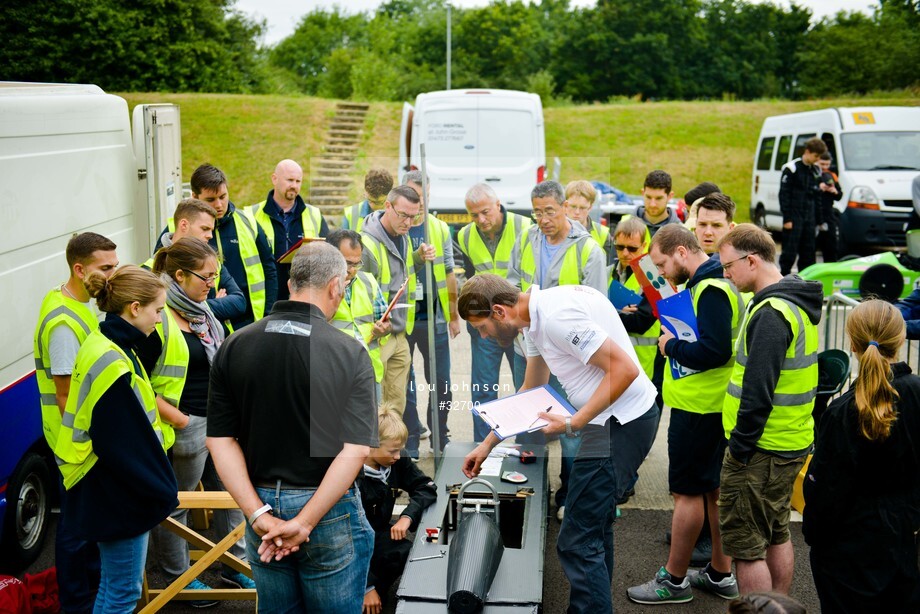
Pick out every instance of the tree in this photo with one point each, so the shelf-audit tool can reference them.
(176, 45)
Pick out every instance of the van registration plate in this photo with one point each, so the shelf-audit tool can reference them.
(455, 218)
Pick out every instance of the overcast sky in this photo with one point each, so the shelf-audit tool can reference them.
(284, 15)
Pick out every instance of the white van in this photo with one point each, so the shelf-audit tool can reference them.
(876, 155)
(68, 164)
(475, 136)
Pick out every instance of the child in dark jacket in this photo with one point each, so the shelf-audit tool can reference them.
(388, 470)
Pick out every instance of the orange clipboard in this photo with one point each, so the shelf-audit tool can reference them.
(392, 304)
(288, 256)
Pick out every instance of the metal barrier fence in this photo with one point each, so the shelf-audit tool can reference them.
(836, 311)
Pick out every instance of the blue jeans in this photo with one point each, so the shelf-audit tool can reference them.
(486, 364)
(443, 394)
(77, 564)
(329, 573)
(122, 574)
(606, 462)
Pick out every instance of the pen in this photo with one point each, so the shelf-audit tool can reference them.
(538, 419)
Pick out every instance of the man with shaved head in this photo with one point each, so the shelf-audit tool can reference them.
(286, 218)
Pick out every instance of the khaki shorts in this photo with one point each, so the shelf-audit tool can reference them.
(754, 504)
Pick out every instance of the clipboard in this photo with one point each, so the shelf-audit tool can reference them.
(288, 256)
(653, 284)
(676, 315)
(517, 413)
(392, 305)
(621, 296)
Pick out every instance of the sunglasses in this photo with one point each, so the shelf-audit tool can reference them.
(629, 248)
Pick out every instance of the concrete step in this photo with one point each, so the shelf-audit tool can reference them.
(340, 148)
(330, 204)
(329, 190)
(331, 162)
(347, 121)
(352, 105)
(344, 132)
(350, 114)
(334, 174)
(341, 140)
(329, 180)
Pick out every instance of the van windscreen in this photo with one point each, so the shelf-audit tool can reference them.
(869, 151)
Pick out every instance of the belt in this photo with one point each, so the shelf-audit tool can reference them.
(282, 485)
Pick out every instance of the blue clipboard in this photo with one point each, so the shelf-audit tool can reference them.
(491, 412)
(621, 296)
(677, 315)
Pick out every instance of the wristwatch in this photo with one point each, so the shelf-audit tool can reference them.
(568, 427)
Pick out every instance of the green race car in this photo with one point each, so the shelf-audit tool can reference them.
(886, 275)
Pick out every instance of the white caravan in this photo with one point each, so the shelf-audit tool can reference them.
(475, 136)
(69, 163)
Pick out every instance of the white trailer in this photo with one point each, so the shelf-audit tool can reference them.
(69, 163)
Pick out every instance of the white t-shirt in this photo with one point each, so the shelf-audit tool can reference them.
(568, 324)
(63, 346)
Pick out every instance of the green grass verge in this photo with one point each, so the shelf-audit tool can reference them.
(618, 143)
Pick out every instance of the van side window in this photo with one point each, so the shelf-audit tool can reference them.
(782, 152)
(766, 153)
(800, 144)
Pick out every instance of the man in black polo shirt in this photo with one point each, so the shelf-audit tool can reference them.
(292, 415)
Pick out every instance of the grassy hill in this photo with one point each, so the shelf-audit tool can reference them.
(618, 143)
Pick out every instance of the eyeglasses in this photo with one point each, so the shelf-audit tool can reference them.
(539, 215)
(578, 207)
(407, 216)
(629, 248)
(355, 265)
(728, 265)
(210, 279)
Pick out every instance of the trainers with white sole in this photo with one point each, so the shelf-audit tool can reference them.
(237, 579)
(661, 589)
(727, 588)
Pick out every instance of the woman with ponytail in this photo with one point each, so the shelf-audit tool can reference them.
(862, 489)
(110, 449)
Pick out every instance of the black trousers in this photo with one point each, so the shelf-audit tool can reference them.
(798, 242)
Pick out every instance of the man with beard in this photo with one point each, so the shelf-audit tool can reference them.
(286, 218)
(574, 333)
(695, 381)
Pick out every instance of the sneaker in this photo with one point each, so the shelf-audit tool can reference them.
(237, 579)
(425, 433)
(198, 585)
(560, 513)
(702, 552)
(726, 589)
(660, 589)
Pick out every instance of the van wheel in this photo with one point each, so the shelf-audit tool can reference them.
(28, 512)
(760, 217)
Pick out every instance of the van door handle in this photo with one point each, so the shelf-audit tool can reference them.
(493, 178)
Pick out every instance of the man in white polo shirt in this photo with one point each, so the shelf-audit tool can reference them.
(574, 333)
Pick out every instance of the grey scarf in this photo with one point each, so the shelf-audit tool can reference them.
(199, 317)
(382, 474)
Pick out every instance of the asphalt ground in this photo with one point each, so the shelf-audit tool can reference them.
(640, 548)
